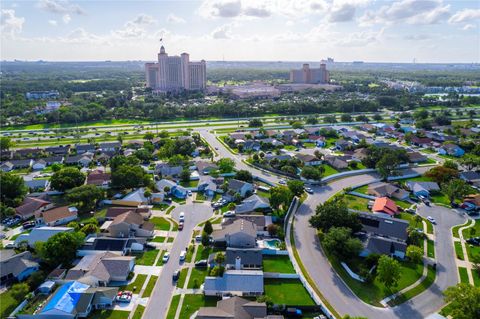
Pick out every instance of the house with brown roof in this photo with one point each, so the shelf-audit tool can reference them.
(113, 212)
(308, 159)
(239, 234)
(30, 206)
(337, 162)
(130, 224)
(386, 206)
(416, 157)
(99, 178)
(57, 216)
(421, 141)
(381, 189)
(235, 307)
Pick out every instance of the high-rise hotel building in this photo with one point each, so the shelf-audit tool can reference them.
(310, 76)
(175, 73)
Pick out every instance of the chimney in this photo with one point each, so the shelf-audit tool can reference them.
(238, 263)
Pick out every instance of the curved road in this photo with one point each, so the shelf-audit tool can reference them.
(337, 292)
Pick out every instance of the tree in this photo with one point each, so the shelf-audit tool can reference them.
(148, 136)
(56, 167)
(226, 165)
(273, 229)
(330, 119)
(255, 123)
(297, 125)
(450, 164)
(126, 177)
(19, 291)
(280, 196)
(455, 189)
(415, 237)
(13, 189)
(90, 229)
(217, 271)
(388, 271)
(334, 213)
(265, 299)
(362, 118)
(318, 154)
(387, 164)
(86, 196)
(312, 120)
(5, 143)
(464, 301)
(296, 187)
(205, 239)
(346, 118)
(231, 206)
(243, 175)
(219, 258)
(442, 174)
(207, 228)
(120, 160)
(6, 211)
(470, 161)
(185, 175)
(415, 254)
(475, 260)
(67, 178)
(377, 117)
(61, 248)
(339, 242)
(311, 173)
(143, 155)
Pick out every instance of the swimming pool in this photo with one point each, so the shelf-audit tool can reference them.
(271, 243)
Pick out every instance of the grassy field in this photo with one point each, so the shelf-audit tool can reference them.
(198, 275)
(455, 230)
(287, 292)
(476, 278)
(190, 251)
(138, 283)
(281, 264)
(415, 291)
(159, 261)
(150, 286)
(356, 203)
(458, 250)
(192, 303)
(173, 307)
(430, 248)
(463, 272)
(160, 223)
(203, 252)
(182, 278)
(189, 184)
(329, 170)
(147, 258)
(469, 233)
(7, 304)
(109, 314)
(138, 312)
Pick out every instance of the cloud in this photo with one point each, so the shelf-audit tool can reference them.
(468, 27)
(417, 37)
(10, 23)
(465, 15)
(223, 32)
(175, 19)
(234, 9)
(344, 12)
(135, 28)
(60, 7)
(66, 18)
(52, 22)
(408, 11)
(143, 19)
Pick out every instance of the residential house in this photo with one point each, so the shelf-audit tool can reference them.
(422, 188)
(235, 307)
(57, 216)
(421, 141)
(381, 189)
(166, 170)
(204, 168)
(40, 234)
(308, 159)
(134, 198)
(85, 148)
(384, 226)
(243, 258)
(272, 141)
(130, 224)
(452, 150)
(37, 184)
(242, 188)
(39, 165)
(337, 162)
(416, 157)
(360, 154)
(385, 246)
(110, 147)
(6, 166)
(235, 282)
(84, 159)
(253, 203)
(207, 185)
(471, 177)
(240, 234)
(121, 246)
(251, 145)
(385, 206)
(27, 153)
(58, 150)
(354, 136)
(113, 212)
(16, 266)
(175, 189)
(17, 164)
(261, 222)
(342, 144)
(102, 269)
(30, 206)
(99, 178)
(471, 202)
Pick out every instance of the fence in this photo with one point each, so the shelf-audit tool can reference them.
(346, 174)
(274, 252)
(362, 195)
(277, 275)
(292, 208)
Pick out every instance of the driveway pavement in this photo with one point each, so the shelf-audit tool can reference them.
(159, 302)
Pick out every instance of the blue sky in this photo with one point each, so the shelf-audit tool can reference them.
(287, 30)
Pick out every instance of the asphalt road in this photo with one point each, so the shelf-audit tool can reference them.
(159, 301)
(334, 289)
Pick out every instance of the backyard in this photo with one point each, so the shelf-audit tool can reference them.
(197, 277)
(7, 305)
(192, 303)
(356, 203)
(160, 223)
(287, 292)
(280, 264)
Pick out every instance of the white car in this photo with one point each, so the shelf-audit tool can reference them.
(282, 181)
(309, 190)
(230, 213)
(189, 193)
(181, 217)
(166, 257)
(431, 219)
(183, 254)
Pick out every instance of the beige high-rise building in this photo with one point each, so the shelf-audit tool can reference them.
(310, 76)
(176, 73)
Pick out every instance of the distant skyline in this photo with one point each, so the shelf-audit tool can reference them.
(430, 31)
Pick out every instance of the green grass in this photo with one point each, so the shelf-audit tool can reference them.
(429, 226)
(147, 258)
(170, 239)
(362, 190)
(281, 264)
(290, 147)
(160, 223)
(440, 198)
(33, 304)
(159, 239)
(159, 261)
(138, 283)
(169, 210)
(430, 248)
(402, 204)
(287, 292)
(172, 310)
(263, 194)
(203, 252)
(109, 314)
(463, 272)
(189, 183)
(199, 275)
(356, 203)
(415, 291)
(16, 236)
(138, 312)
(458, 250)
(7, 304)
(190, 251)
(476, 278)
(179, 201)
(469, 233)
(455, 230)
(192, 303)
(150, 286)
(309, 145)
(182, 278)
(329, 170)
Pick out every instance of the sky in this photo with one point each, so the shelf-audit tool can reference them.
(429, 31)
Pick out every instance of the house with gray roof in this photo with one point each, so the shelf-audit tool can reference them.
(166, 170)
(235, 307)
(242, 188)
(382, 189)
(261, 222)
(243, 258)
(422, 188)
(37, 184)
(251, 204)
(40, 234)
(384, 246)
(239, 234)
(204, 168)
(83, 148)
(16, 266)
(235, 282)
(207, 185)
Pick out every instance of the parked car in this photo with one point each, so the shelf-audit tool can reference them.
(181, 217)
(124, 296)
(293, 312)
(198, 238)
(189, 193)
(166, 257)
(176, 274)
(230, 213)
(180, 226)
(431, 219)
(201, 263)
(28, 225)
(410, 210)
(309, 190)
(183, 254)
(282, 181)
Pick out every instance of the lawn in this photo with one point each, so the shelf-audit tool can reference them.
(169, 209)
(429, 226)
(287, 292)
(147, 258)
(16, 236)
(476, 278)
(281, 264)
(415, 291)
(203, 252)
(7, 304)
(190, 251)
(159, 239)
(151, 284)
(290, 147)
(199, 275)
(109, 314)
(458, 250)
(309, 145)
(430, 248)
(463, 274)
(402, 204)
(263, 193)
(192, 303)
(456, 229)
(189, 183)
(329, 170)
(173, 307)
(138, 312)
(160, 223)
(180, 201)
(469, 233)
(182, 278)
(362, 190)
(138, 283)
(440, 198)
(159, 261)
(356, 203)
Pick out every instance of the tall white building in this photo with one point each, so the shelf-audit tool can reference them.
(310, 75)
(176, 73)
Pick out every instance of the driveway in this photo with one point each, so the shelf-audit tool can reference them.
(337, 292)
(159, 302)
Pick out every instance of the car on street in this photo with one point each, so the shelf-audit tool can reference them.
(166, 257)
(309, 190)
(176, 274)
(230, 213)
(431, 219)
(183, 254)
(410, 210)
(282, 181)
(181, 217)
(198, 238)
(180, 226)
(28, 225)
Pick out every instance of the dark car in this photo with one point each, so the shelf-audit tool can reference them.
(176, 274)
(180, 226)
(28, 225)
(293, 312)
(201, 263)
